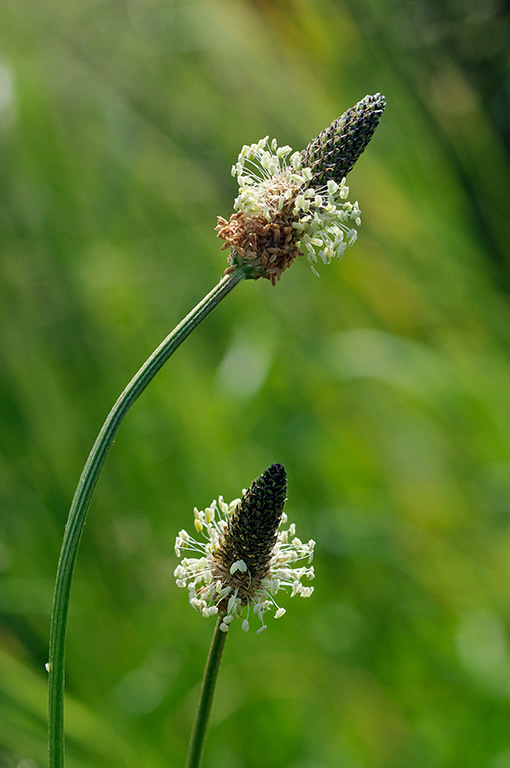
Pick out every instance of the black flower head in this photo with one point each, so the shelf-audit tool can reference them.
(246, 556)
(290, 203)
(252, 529)
(335, 150)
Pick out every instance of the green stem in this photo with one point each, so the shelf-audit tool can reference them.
(81, 500)
(206, 696)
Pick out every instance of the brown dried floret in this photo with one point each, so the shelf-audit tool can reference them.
(263, 248)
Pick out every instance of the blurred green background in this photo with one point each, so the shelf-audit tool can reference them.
(382, 386)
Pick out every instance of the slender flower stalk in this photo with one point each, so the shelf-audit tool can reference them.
(246, 559)
(288, 203)
(81, 501)
(206, 696)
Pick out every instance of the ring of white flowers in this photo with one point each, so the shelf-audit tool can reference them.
(205, 591)
(270, 176)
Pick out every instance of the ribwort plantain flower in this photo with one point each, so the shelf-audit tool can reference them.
(246, 556)
(292, 203)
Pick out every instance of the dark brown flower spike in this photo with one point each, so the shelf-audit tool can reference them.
(295, 204)
(246, 556)
(335, 150)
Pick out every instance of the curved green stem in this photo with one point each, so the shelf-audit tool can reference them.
(81, 500)
(206, 696)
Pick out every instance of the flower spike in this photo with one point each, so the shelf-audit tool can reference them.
(292, 203)
(335, 150)
(246, 556)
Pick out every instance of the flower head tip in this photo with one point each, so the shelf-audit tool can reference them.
(335, 150)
